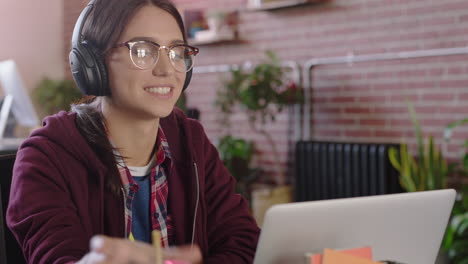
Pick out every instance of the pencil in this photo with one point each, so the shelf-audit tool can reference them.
(157, 246)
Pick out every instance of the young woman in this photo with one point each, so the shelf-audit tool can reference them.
(125, 162)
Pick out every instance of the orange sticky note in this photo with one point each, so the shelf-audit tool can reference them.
(363, 252)
(334, 257)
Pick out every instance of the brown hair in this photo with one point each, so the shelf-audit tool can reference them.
(103, 28)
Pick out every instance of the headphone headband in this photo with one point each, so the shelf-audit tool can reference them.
(76, 37)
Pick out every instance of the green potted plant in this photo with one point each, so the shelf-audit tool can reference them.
(236, 154)
(429, 171)
(456, 237)
(261, 93)
(55, 95)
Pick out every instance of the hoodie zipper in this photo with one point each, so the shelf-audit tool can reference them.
(197, 183)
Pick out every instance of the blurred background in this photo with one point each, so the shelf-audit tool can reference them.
(297, 94)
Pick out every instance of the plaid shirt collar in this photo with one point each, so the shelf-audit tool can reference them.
(160, 219)
(162, 153)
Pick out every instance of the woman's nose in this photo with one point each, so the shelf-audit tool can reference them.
(164, 65)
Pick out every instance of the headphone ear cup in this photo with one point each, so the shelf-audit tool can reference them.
(101, 70)
(79, 70)
(188, 77)
(88, 69)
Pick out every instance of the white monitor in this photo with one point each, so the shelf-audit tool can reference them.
(16, 98)
(406, 228)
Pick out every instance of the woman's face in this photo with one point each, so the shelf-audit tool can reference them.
(149, 93)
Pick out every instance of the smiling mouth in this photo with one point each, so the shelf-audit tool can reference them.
(159, 90)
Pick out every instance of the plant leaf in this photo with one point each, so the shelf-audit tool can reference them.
(449, 128)
(394, 158)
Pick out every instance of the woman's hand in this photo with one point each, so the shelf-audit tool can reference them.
(104, 250)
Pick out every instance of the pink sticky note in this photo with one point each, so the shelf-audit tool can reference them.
(334, 257)
(364, 252)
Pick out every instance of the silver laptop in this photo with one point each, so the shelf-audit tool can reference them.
(406, 227)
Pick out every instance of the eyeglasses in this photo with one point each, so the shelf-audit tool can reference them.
(145, 54)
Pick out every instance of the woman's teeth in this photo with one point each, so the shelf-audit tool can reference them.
(159, 90)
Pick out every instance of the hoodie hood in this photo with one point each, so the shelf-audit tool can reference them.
(60, 132)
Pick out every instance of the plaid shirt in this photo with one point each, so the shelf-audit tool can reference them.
(160, 219)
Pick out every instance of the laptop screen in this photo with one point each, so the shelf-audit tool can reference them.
(406, 227)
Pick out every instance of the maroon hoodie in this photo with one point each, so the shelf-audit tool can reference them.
(58, 200)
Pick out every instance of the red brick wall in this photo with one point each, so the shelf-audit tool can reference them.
(362, 102)
(72, 10)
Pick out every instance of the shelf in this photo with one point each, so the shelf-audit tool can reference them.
(216, 41)
(212, 27)
(280, 4)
